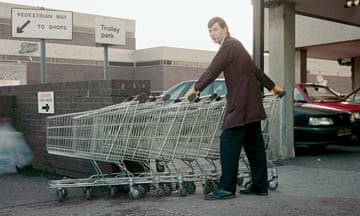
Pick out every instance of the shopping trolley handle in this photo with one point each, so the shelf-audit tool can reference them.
(197, 98)
(151, 99)
(281, 94)
(214, 96)
(140, 97)
(166, 97)
(194, 97)
(129, 99)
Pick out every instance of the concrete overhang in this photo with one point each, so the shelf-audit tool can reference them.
(334, 11)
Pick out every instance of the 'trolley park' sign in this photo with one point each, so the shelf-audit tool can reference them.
(109, 31)
(41, 24)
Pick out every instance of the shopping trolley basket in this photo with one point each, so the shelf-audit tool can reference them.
(96, 135)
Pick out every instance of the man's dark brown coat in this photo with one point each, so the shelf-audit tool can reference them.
(242, 78)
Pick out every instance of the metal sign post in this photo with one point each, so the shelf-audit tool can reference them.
(43, 61)
(106, 63)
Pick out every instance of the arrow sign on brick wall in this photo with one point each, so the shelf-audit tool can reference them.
(46, 102)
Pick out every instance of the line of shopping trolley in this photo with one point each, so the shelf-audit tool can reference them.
(177, 145)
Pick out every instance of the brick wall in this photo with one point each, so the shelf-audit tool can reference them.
(21, 103)
(341, 84)
(7, 106)
(74, 73)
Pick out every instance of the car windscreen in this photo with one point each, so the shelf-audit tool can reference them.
(220, 87)
(354, 97)
(180, 90)
(321, 94)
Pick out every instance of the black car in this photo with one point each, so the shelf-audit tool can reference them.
(314, 125)
(318, 126)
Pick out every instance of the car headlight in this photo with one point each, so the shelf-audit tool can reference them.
(355, 116)
(316, 121)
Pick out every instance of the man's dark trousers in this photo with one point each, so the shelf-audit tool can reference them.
(231, 141)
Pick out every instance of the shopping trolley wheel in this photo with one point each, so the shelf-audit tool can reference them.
(146, 187)
(206, 188)
(182, 190)
(180, 187)
(248, 185)
(209, 186)
(134, 192)
(273, 184)
(160, 191)
(190, 187)
(142, 190)
(240, 181)
(61, 194)
(167, 188)
(114, 191)
(88, 191)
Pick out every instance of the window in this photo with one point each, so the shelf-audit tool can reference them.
(220, 87)
(297, 96)
(321, 94)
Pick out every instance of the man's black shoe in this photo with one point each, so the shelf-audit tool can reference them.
(219, 194)
(251, 191)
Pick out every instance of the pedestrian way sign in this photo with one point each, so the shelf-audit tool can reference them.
(41, 24)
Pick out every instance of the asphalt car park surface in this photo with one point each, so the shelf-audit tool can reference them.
(321, 182)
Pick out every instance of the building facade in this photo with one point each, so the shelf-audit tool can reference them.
(81, 59)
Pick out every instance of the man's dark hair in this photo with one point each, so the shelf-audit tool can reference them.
(221, 22)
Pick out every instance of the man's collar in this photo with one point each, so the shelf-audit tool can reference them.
(222, 41)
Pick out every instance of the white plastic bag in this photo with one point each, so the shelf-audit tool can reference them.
(14, 152)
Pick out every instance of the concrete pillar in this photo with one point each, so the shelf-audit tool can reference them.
(300, 66)
(303, 66)
(258, 33)
(297, 66)
(282, 70)
(355, 70)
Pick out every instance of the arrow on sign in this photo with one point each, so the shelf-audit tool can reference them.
(21, 29)
(46, 107)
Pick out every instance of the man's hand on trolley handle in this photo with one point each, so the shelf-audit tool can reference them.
(278, 91)
(191, 94)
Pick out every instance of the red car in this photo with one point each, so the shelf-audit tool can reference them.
(327, 97)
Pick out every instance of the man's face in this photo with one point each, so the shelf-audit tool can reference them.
(217, 33)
